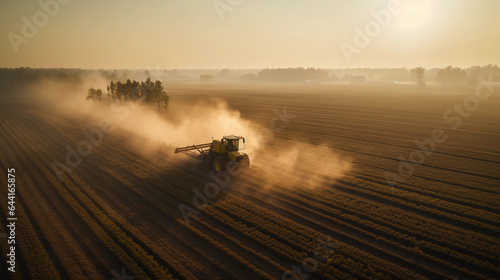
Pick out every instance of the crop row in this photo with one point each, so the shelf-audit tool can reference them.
(351, 223)
(114, 185)
(419, 203)
(367, 240)
(472, 197)
(302, 241)
(107, 231)
(179, 187)
(406, 230)
(408, 223)
(281, 249)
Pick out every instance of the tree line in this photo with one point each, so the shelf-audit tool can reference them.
(288, 74)
(148, 92)
(446, 76)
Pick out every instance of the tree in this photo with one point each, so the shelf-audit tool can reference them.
(419, 75)
(128, 89)
(224, 73)
(147, 90)
(120, 90)
(99, 94)
(135, 91)
(206, 77)
(112, 91)
(249, 77)
(94, 94)
(159, 95)
(451, 75)
(298, 74)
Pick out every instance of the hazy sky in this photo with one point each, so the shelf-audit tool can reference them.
(171, 34)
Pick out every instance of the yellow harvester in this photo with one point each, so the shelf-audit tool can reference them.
(218, 153)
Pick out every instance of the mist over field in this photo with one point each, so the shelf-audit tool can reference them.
(230, 139)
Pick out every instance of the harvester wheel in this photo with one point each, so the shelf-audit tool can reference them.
(219, 164)
(245, 163)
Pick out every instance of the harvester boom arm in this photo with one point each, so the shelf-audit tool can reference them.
(193, 147)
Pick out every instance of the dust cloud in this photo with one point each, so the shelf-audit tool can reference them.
(183, 125)
(298, 164)
(301, 165)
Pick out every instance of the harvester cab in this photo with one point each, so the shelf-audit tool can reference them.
(229, 144)
(218, 153)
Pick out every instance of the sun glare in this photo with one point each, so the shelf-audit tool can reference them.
(415, 13)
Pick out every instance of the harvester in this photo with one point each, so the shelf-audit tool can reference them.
(218, 153)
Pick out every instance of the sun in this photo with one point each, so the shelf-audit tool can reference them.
(415, 13)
